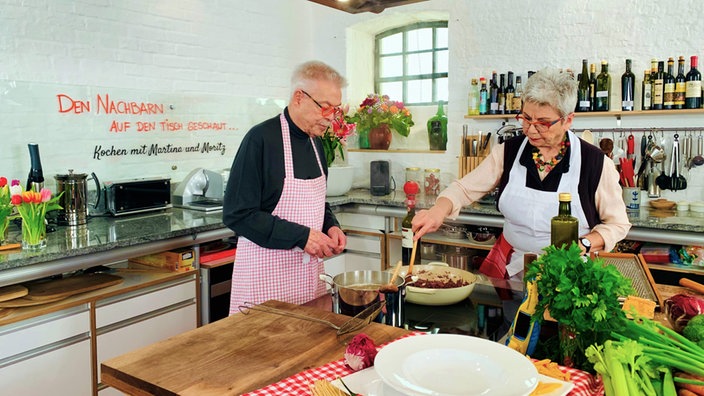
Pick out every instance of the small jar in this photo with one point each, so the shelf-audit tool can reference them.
(414, 174)
(432, 181)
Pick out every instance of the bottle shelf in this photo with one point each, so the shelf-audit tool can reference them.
(404, 151)
(617, 114)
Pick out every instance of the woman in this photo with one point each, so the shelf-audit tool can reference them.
(530, 171)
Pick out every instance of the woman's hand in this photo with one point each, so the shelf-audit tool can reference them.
(430, 220)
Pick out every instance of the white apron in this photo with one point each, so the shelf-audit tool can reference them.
(527, 212)
(292, 276)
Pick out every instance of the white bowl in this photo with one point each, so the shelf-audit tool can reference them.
(339, 180)
(696, 207)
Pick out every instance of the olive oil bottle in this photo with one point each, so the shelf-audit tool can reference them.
(564, 228)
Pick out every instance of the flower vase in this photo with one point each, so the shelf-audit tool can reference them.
(4, 226)
(363, 138)
(339, 180)
(380, 137)
(34, 235)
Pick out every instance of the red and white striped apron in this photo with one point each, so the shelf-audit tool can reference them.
(262, 274)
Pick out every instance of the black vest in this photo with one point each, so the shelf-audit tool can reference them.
(590, 174)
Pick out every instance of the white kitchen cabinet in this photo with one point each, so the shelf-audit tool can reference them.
(137, 319)
(47, 355)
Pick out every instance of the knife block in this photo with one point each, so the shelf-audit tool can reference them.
(471, 153)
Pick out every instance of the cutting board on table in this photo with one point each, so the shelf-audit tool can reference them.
(12, 292)
(62, 288)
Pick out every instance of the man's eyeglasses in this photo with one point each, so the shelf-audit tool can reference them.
(325, 111)
(540, 126)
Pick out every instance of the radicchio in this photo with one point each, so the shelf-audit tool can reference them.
(682, 307)
(360, 352)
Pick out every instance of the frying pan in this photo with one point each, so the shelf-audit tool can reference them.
(449, 296)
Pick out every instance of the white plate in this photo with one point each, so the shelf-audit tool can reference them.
(454, 365)
(368, 383)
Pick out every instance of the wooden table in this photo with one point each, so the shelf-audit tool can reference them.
(237, 354)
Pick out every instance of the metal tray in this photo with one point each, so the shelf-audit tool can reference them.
(635, 267)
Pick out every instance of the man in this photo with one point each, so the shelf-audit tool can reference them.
(275, 196)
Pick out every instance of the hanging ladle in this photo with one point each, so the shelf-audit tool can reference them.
(698, 160)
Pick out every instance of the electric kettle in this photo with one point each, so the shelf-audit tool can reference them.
(73, 201)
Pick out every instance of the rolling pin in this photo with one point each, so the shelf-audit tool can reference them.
(696, 286)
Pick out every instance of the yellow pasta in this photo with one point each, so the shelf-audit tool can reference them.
(545, 388)
(551, 369)
(325, 388)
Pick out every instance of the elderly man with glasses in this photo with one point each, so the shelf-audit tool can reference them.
(530, 171)
(275, 196)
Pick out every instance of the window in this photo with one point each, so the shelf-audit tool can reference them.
(412, 63)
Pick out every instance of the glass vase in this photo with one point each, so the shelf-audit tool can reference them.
(34, 235)
(363, 138)
(4, 225)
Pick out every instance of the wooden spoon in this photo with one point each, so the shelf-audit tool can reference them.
(391, 286)
(413, 258)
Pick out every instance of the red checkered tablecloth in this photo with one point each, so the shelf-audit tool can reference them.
(584, 383)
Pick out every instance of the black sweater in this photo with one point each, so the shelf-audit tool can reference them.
(256, 182)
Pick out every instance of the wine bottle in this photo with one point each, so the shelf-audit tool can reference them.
(647, 91)
(483, 97)
(564, 228)
(693, 86)
(658, 85)
(493, 95)
(653, 76)
(518, 96)
(35, 179)
(680, 84)
(668, 90)
(411, 188)
(592, 86)
(583, 92)
(603, 88)
(510, 93)
(502, 93)
(628, 83)
(473, 104)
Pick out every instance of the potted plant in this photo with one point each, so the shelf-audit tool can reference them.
(376, 116)
(334, 141)
(582, 295)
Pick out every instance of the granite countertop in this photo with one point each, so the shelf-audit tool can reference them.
(643, 218)
(104, 234)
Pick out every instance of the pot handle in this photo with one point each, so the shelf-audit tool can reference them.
(98, 189)
(327, 279)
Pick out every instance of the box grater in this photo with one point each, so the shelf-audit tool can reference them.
(634, 267)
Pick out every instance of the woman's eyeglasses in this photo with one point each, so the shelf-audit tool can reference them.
(540, 126)
(325, 111)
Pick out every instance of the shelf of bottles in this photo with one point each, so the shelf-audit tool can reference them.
(664, 92)
(616, 113)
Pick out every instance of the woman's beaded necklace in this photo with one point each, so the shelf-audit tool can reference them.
(543, 166)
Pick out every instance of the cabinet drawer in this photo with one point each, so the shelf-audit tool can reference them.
(364, 243)
(43, 330)
(127, 306)
(136, 335)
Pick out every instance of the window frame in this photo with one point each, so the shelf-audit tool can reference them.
(405, 78)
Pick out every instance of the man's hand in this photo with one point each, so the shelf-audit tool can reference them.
(320, 245)
(339, 238)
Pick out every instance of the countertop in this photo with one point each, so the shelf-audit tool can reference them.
(72, 248)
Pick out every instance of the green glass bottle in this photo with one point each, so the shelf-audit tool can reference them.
(437, 129)
(564, 228)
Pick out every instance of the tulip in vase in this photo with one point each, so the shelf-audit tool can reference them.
(32, 207)
(334, 141)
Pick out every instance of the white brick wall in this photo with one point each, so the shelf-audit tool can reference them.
(223, 52)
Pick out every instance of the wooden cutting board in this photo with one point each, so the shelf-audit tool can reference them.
(25, 302)
(4, 312)
(62, 288)
(12, 292)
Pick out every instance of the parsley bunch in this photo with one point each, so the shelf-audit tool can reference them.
(579, 292)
